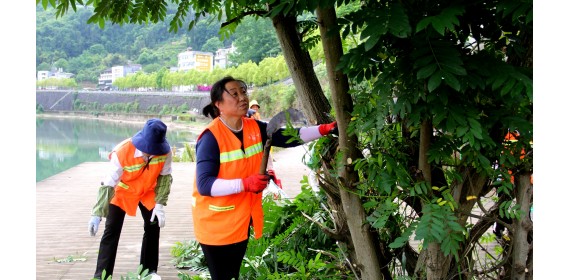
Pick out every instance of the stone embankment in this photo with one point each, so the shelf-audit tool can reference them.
(64, 100)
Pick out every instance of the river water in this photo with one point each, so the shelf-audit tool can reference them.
(62, 143)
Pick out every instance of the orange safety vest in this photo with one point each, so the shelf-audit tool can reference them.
(225, 219)
(138, 180)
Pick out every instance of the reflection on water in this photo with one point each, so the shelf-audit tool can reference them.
(67, 142)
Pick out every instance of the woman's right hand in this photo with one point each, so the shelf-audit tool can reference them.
(255, 183)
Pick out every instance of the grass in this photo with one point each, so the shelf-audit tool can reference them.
(71, 258)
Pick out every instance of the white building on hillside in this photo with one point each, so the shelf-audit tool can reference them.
(55, 73)
(107, 77)
(201, 61)
(125, 70)
(221, 59)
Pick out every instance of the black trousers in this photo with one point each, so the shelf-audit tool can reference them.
(224, 261)
(112, 234)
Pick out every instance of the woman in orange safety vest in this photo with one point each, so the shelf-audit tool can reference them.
(227, 192)
(140, 177)
(510, 138)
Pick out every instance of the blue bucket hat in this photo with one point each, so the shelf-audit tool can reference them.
(152, 138)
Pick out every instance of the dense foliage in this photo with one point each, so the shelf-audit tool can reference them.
(436, 89)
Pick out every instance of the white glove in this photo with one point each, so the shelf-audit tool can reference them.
(158, 212)
(94, 225)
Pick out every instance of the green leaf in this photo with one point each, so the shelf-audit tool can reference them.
(398, 23)
(277, 9)
(101, 23)
(424, 61)
(418, 188)
(451, 81)
(456, 69)
(458, 115)
(508, 86)
(529, 17)
(483, 160)
(398, 242)
(423, 24)
(451, 13)
(499, 80)
(371, 42)
(475, 128)
(434, 81)
(438, 118)
(438, 25)
(426, 71)
(288, 9)
(462, 130)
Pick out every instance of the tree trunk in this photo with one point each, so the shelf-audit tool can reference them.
(426, 131)
(316, 107)
(314, 102)
(362, 238)
(522, 227)
(436, 264)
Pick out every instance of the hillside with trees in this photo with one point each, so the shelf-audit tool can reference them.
(70, 43)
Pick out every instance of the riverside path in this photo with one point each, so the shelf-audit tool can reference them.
(64, 249)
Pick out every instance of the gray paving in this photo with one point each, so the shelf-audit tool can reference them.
(64, 249)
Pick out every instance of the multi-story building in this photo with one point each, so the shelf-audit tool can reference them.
(106, 79)
(54, 73)
(201, 61)
(109, 76)
(221, 59)
(43, 75)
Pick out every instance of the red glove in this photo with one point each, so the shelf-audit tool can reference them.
(325, 129)
(273, 177)
(271, 174)
(255, 183)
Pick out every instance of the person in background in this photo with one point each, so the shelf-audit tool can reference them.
(253, 111)
(227, 191)
(139, 176)
(510, 139)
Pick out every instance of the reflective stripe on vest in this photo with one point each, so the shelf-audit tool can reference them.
(239, 154)
(219, 209)
(226, 219)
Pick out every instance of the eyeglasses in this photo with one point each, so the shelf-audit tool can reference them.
(236, 92)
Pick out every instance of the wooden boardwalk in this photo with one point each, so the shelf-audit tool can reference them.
(64, 248)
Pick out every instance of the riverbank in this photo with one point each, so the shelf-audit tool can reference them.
(172, 123)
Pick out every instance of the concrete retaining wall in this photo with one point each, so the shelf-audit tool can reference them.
(64, 100)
